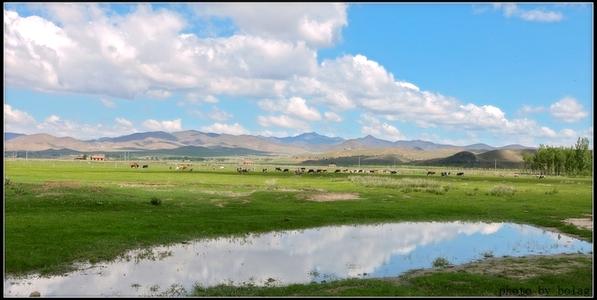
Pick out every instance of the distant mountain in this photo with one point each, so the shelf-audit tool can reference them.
(495, 158)
(515, 147)
(310, 138)
(139, 137)
(420, 145)
(310, 142)
(368, 141)
(11, 135)
(479, 146)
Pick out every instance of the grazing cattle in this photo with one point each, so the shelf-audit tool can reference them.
(337, 171)
(360, 171)
(311, 171)
(145, 166)
(135, 165)
(279, 169)
(324, 171)
(264, 170)
(541, 176)
(318, 171)
(393, 172)
(371, 171)
(242, 170)
(303, 169)
(460, 174)
(445, 173)
(285, 170)
(430, 173)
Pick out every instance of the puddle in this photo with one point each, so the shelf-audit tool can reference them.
(298, 256)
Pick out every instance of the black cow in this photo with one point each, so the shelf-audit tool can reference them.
(145, 166)
(285, 170)
(430, 173)
(444, 173)
(311, 171)
(393, 172)
(337, 171)
(541, 176)
(279, 169)
(264, 170)
(460, 174)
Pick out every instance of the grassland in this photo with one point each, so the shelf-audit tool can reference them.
(57, 213)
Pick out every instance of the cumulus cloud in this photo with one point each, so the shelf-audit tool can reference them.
(318, 24)
(332, 116)
(107, 102)
(282, 121)
(15, 119)
(533, 15)
(22, 122)
(234, 129)
(217, 114)
(169, 126)
(568, 110)
(127, 56)
(295, 106)
(372, 126)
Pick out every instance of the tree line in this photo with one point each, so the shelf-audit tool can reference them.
(573, 160)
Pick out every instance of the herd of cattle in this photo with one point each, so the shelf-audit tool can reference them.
(299, 171)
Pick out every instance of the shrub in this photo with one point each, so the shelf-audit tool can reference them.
(440, 262)
(406, 185)
(155, 201)
(271, 184)
(502, 190)
(552, 191)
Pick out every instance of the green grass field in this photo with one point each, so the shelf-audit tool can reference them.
(59, 212)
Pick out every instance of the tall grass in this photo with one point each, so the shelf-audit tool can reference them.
(404, 184)
(502, 190)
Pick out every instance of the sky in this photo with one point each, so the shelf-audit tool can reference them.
(448, 73)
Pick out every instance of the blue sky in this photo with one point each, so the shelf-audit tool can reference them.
(448, 73)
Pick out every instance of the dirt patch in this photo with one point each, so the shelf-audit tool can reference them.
(52, 185)
(586, 223)
(326, 197)
(227, 193)
(145, 184)
(517, 268)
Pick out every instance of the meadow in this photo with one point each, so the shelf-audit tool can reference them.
(61, 212)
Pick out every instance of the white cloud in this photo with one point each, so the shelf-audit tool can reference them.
(295, 106)
(332, 116)
(533, 15)
(282, 121)
(234, 129)
(568, 110)
(528, 109)
(124, 124)
(158, 94)
(107, 102)
(168, 126)
(318, 24)
(217, 114)
(22, 122)
(374, 127)
(16, 120)
(127, 56)
(538, 15)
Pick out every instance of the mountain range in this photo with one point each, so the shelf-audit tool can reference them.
(158, 140)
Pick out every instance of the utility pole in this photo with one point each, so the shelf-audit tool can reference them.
(359, 161)
(495, 164)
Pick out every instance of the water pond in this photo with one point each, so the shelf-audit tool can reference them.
(298, 256)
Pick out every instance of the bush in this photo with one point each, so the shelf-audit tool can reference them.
(440, 262)
(552, 191)
(155, 201)
(406, 185)
(502, 190)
